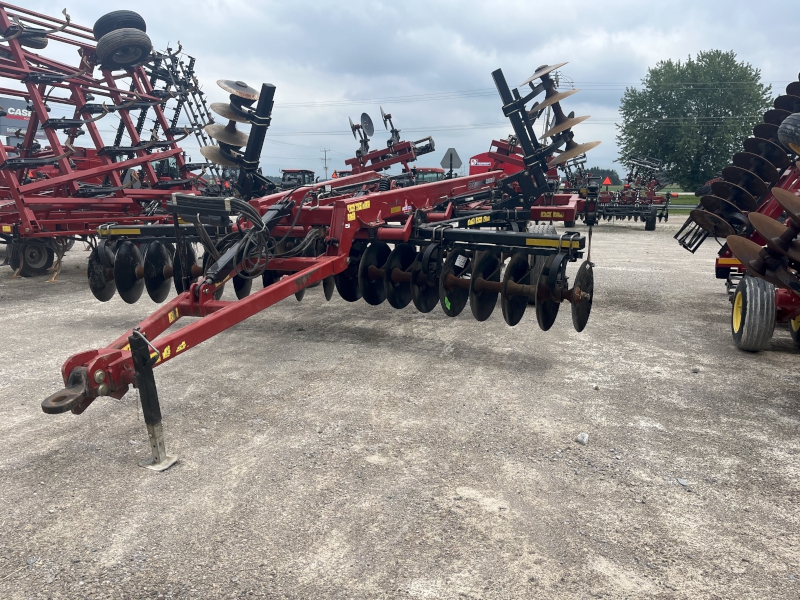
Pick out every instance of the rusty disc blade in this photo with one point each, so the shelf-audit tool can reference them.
(747, 253)
(718, 206)
(238, 88)
(793, 89)
(712, 224)
(563, 126)
(223, 109)
(216, 155)
(227, 134)
(775, 116)
(769, 150)
(771, 230)
(758, 165)
(789, 202)
(576, 151)
(735, 194)
(768, 131)
(746, 179)
(541, 72)
(550, 100)
(788, 103)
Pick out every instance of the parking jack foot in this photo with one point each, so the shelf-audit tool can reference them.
(159, 460)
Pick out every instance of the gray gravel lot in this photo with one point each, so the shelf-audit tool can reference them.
(335, 450)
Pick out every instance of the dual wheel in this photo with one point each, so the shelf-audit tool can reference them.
(122, 41)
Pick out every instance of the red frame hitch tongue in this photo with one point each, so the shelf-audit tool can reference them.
(71, 396)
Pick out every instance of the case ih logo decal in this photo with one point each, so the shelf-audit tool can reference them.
(22, 114)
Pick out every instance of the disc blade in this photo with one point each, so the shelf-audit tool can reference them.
(238, 88)
(177, 267)
(517, 271)
(712, 224)
(788, 103)
(101, 277)
(746, 179)
(789, 202)
(226, 135)
(758, 165)
(223, 109)
(398, 293)
(772, 231)
(769, 150)
(550, 100)
(242, 286)
(747, 253)
(546, 306)
(563, 126)
(157, 271)
(328, 286)
(215, 155)
(129, 271)
(453, 299)
(735, 194)
(775, 116)
(572, 153)
(541, 72)
(367, 125)
(581, 306)
(372, 288)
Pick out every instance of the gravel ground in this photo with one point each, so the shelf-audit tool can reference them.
(335, 450)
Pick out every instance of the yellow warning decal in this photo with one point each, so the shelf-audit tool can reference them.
(357, 206)
(728, 261)
(552, 243)
(351, 216)
(173, 315)
(396, 209)
(181, 347)
(478, 220)
(126, 347)
(166, 353)
(155, 355)
(551, 214)
(123, 231)
(6, 228)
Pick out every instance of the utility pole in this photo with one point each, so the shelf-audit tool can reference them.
(325, 161)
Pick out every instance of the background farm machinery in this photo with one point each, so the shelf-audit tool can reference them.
(753, 207)
(56, 190)
(447, 243)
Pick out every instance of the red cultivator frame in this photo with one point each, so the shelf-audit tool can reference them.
(50, 195)
(754, 204)
(437, 244)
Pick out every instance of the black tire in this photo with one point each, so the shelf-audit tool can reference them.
(537, 262)
(37, 42)
(124, 49)
(118, 19)
(789, 132)
(650, 222)
(569, 224)
(753, 314)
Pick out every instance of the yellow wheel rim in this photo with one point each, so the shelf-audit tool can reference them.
(795, 324)
(737, 312)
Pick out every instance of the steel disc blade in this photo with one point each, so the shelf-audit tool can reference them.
(223, 109)
(482, 303)
(550, 100)
(517, 271)
(541, 72)
(129, 271)
(758, 165)
(712, 224)
(769, 150)
(793, 88)
(747, 253)
(177, 267)
(366, 125)
(563, 126)
(347, 281)
(746, 179)
(775, 116)
(457, 265)
(216, 155)
(735, 194)
(227, 134)
(157, 271)
(101, 278)
(372, 289)
(546, 306)
(572, 153)
(328, 286)
(399, 293)
(425, 281)
(581, 308)
(788, 103)
(242, 286)
(238, 88)
(767, 131)
(789, 202)
(771, 231)
(269, 277)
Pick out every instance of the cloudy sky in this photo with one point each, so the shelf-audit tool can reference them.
(429, 63)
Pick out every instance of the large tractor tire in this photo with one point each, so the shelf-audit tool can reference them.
(118, 19)
(753, 314)
(537, 262)
(124, 49)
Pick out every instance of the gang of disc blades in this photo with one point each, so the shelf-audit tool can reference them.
(157, 271)
(454, 300)
(570, 154)
(398, 293)
(735, 194)
(789, 202)
(238, 88)
(771, 230)
(129, 271)
(712, 224)
(517, 271)
(787, 103)
(758, 165)
(541, 72)
(775, 116)
(549, 101)
(581, 309)
(216, 155)
(366, 125)
(482, 303)
(563, 126)
(223, 109)
(227, 134)
(372, 290)
(101, 277)
(746, 179)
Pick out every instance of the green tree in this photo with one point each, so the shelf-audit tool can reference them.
(693, 115)
(603, 173)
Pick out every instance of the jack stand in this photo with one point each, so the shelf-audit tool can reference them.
(145, 382)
